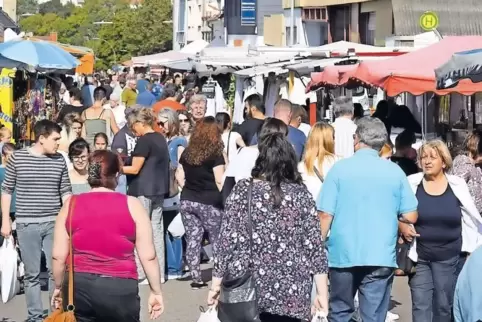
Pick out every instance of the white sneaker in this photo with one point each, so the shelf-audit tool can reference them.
(391, 317)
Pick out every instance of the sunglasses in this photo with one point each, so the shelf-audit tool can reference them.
(161, 123)
(183, 120)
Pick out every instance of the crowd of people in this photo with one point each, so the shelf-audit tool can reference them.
(316, 214)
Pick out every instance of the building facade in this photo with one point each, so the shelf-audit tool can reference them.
(318, 22)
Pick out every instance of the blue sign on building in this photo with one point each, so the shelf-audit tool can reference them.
(248, 13)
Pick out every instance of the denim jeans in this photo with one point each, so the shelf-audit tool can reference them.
(32, 238)
(153, 208)
(432, 288)
(373, 284)
(174, 255)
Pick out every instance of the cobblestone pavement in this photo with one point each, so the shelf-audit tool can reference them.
(182, 304)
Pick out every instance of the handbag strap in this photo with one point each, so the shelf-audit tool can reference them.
(70, 306)
(318, 174)
(250, 220)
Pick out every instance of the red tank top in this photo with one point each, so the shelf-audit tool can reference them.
(103, 235)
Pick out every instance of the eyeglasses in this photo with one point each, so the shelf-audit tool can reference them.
(80, 158)
(183, 121)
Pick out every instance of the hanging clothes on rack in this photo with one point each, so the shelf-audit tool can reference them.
(215, 97)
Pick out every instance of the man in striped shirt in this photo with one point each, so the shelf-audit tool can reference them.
(40, 178)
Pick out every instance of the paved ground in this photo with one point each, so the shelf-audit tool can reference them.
(182, 304)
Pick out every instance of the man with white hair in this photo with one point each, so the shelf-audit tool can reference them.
(118, 109)
(344, 126)
(129, 95)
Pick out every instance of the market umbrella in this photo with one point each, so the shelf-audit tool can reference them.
(41, 55)
(462, 65)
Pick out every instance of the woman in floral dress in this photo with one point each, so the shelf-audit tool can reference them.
(287, 245)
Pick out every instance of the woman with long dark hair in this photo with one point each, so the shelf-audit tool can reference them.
(285, 249)
(200, 173)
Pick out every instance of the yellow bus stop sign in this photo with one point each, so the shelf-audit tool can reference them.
(429, 21)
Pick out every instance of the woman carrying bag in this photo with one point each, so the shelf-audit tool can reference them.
(270, 244)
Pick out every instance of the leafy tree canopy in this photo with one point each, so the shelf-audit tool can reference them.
(134, 31)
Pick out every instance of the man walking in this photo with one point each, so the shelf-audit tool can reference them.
(360, 203)
(40, 178)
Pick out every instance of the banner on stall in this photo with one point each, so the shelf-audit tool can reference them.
(6, 97)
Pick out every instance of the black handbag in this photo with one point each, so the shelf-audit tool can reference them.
(405, 265)
(237, 300)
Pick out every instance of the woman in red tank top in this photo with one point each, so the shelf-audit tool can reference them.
(106, 228)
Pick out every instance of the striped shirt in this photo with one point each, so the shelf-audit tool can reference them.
(40, 182)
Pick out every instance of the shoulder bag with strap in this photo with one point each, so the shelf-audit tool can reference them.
(238, 301)
(318, 174)
(67, 315)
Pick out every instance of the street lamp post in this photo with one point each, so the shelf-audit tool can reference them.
(111, 47)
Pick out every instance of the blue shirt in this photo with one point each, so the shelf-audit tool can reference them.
(173, 146)
(365, 194)
(87, 93)
(468, 293)
(146, 98)
(142, 85)
(157, 90)
(296, 137)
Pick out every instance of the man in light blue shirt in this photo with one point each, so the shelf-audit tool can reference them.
(360, 203)
(468, 292)
(146, 98)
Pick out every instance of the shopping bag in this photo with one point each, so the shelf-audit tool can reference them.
(8, 270)
(320, 316)
(211, 315)
(176, 228)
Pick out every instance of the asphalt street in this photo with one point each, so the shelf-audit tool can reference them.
(182, 304)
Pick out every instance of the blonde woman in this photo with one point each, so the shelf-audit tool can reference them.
(319, 157)
(448, 229)
(150, 174)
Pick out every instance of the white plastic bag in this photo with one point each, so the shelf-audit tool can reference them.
(211, 315)
(320, 316)
(176, 228)
(8, 270)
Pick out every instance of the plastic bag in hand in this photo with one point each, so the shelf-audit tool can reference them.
(211, 315)
(320, 316)
(8, 270)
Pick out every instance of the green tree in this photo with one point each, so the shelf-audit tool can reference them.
(55, 6)
(129, 32)
(26, 7)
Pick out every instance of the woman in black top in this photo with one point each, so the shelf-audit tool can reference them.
(439, 249)
(200, 172)
(150, 170)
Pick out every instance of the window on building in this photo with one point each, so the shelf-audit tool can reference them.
(190, 9)
(207, 36)
(200, 8)
(367, 28)
(288, 35)
(198, 28)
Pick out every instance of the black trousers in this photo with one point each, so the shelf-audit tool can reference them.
(104, 299)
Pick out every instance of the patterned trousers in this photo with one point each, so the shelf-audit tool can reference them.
(197, 218)
(153, 208)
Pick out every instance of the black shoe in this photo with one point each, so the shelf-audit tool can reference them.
(198, 286)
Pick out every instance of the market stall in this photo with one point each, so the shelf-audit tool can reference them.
(28, 93)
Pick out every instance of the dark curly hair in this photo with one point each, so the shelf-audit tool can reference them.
(205, 142)
(276, 163)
